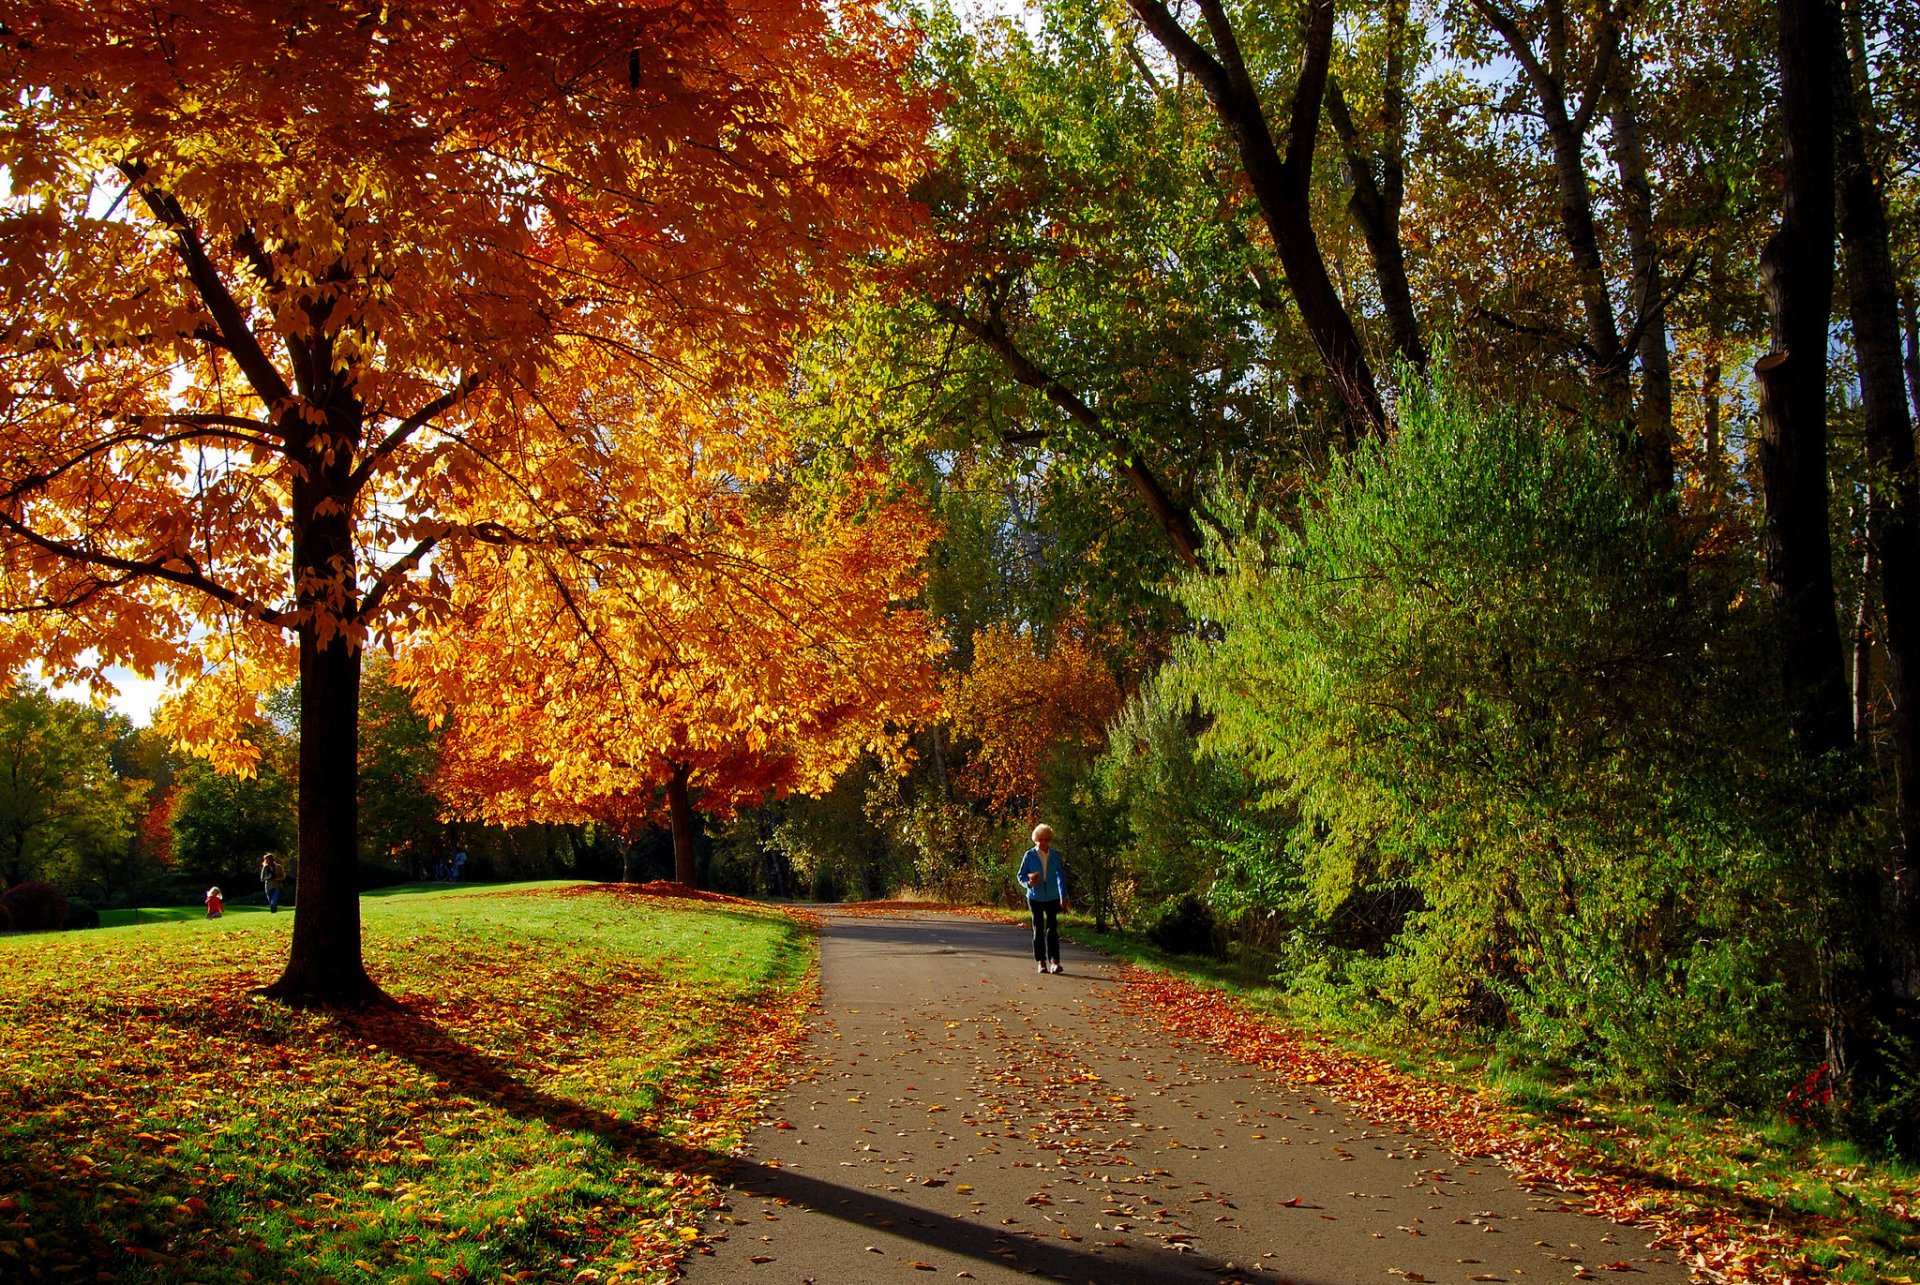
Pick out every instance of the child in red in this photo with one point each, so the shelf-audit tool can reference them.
(214, 903)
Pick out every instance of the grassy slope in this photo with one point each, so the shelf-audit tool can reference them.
(1857, 1218)
(545, 1101)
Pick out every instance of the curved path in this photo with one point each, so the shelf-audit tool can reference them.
(968, 1118)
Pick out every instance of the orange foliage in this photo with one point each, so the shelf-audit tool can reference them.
(761, 646)
(282, 272)
(1023, 706)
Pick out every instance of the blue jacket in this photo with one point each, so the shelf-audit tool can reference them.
(1053, 888)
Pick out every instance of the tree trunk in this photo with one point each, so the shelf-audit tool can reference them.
(1862, 655)
(1377, 197)
(1281, 185)
(1797, 272)
(324, 965)
(680, 813)
(1653, 413)
(1910, 303)
(1567, 124)
(1893, 490)
(1714, 446)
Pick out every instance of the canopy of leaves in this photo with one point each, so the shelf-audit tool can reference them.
(383, 267)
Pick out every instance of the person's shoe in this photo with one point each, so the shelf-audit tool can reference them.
(1057, 968)
(1039, 968)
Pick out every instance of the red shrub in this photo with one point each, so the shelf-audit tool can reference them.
(36, 907)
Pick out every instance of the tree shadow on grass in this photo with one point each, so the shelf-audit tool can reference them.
(496, 1082)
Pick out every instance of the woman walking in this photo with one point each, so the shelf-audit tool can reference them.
(1043, 877)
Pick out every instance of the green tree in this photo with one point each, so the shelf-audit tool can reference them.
(64, 813)
(399, 753)
(224, 823)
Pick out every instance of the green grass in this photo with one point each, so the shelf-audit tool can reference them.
(1854, 1211)
(546, 1100)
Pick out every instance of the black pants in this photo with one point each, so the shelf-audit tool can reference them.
(1046, 929)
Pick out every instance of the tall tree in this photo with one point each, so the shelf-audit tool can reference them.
(1797, 271)
(61, 802)
(1281, 180)
(276, 344)
(1893, 484)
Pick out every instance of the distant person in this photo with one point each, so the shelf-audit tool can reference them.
(216, 904)
(1043, 877)
(459, 863)
(273, 877)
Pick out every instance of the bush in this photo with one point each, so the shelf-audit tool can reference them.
(1186, 926)
(36, 907)
(1527, 739)
(82, 915)
(6, 919)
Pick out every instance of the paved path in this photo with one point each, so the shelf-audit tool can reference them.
(971, 1119)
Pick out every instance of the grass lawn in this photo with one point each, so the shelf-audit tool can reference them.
(1806, 1204)
(546, 1103)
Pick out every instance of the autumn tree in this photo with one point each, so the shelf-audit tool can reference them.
(1025, 707)
(277, 345)
(766, 646)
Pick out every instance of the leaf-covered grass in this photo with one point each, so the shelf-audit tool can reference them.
(545, 1102)
(1767, 1199)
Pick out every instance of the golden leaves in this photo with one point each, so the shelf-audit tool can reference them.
(425, 270)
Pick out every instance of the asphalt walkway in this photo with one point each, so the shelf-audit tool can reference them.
(967, 1118)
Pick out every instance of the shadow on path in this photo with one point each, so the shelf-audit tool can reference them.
(495, 1081)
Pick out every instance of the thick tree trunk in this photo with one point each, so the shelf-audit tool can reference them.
(1797, 271)
(1893, 491)
(1653, 413)
(324, 965)
(680, 812)
(1281, 185)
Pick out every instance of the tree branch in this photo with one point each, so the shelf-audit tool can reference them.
(1173, 517)
(405, 429)
(175, 569)
(239, 338)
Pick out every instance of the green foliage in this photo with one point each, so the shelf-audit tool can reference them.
(1191, 822)
(399, 754)
(63, 811)
(222, 825)
(834, 851)
(1518, 730)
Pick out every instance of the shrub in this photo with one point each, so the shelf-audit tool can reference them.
(1527, 739)
(36, 907)
(82, 915)
(1185, 926)
(6, 919)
